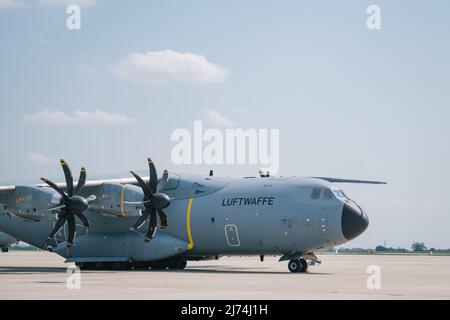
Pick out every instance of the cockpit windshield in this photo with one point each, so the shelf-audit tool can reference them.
(328, 194)
(319, 193)
(339, 194)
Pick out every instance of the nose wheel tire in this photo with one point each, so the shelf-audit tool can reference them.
(5, 249)
(298, 266)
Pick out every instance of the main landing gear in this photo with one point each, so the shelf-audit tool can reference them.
(111, 266)
(5, 249)
(171, 264)
(298, 266)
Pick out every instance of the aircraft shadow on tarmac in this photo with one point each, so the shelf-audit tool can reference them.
(234, 270)
(30, 270)
(202, 269)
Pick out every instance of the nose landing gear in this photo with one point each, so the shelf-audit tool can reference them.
(299, 262)
(298, 266)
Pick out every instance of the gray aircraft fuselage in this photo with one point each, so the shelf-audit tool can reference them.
(208, 216)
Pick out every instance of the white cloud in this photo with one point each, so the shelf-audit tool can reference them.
(65, 3)
(6, 4)
(96, 117)
(218, 119)
(39, 158)
(160, 67)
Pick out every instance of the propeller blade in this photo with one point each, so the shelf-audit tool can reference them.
(58, 207)
(145, 188)
(152, 226)
(72, 205)
(61, 220)
(81, 181)
(163, 182)
(72, 229)
(154, 201)
(91, 198)
(69, 177)
(153, 176)
(84, 219)
(163, 218)
(141, 220)
(55, 187)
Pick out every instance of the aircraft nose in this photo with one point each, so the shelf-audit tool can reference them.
(354, 221)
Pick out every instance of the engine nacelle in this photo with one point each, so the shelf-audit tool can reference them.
(112, 198)
(31, 202)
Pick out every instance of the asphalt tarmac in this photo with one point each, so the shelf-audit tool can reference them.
(43, 275)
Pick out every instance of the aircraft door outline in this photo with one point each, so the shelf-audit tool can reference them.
(232, 235)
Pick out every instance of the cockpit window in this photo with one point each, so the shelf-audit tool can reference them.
(327, 194)
(315, 194)
(339, 194)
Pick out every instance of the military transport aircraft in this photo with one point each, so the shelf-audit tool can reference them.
(6, 241)
(113, 224)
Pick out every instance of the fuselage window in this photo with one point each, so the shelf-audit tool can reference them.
(315, 194)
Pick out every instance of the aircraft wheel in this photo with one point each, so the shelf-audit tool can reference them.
(81, 265)
(178, 265)
(294, 266)
(85, 265)
(117, 265)
(5, 249)
(158, 266)
(98, 265)
(147, 265)
(304, 265)
(182, 265)
(120, 265)
(140, 265)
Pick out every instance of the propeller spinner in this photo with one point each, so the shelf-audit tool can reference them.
(71, 204)
(154, 201)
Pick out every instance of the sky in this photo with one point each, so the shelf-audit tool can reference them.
(348, 102)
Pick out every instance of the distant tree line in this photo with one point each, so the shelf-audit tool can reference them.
(416, 247)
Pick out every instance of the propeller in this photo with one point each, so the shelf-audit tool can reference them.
(154, 201)
(71, 204)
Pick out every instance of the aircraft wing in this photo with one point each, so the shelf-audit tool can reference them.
(339, 180)
(6, 192)
(41, 195)
(89, 184)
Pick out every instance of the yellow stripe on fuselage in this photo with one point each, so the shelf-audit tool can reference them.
(188, 225)
(122, 196)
